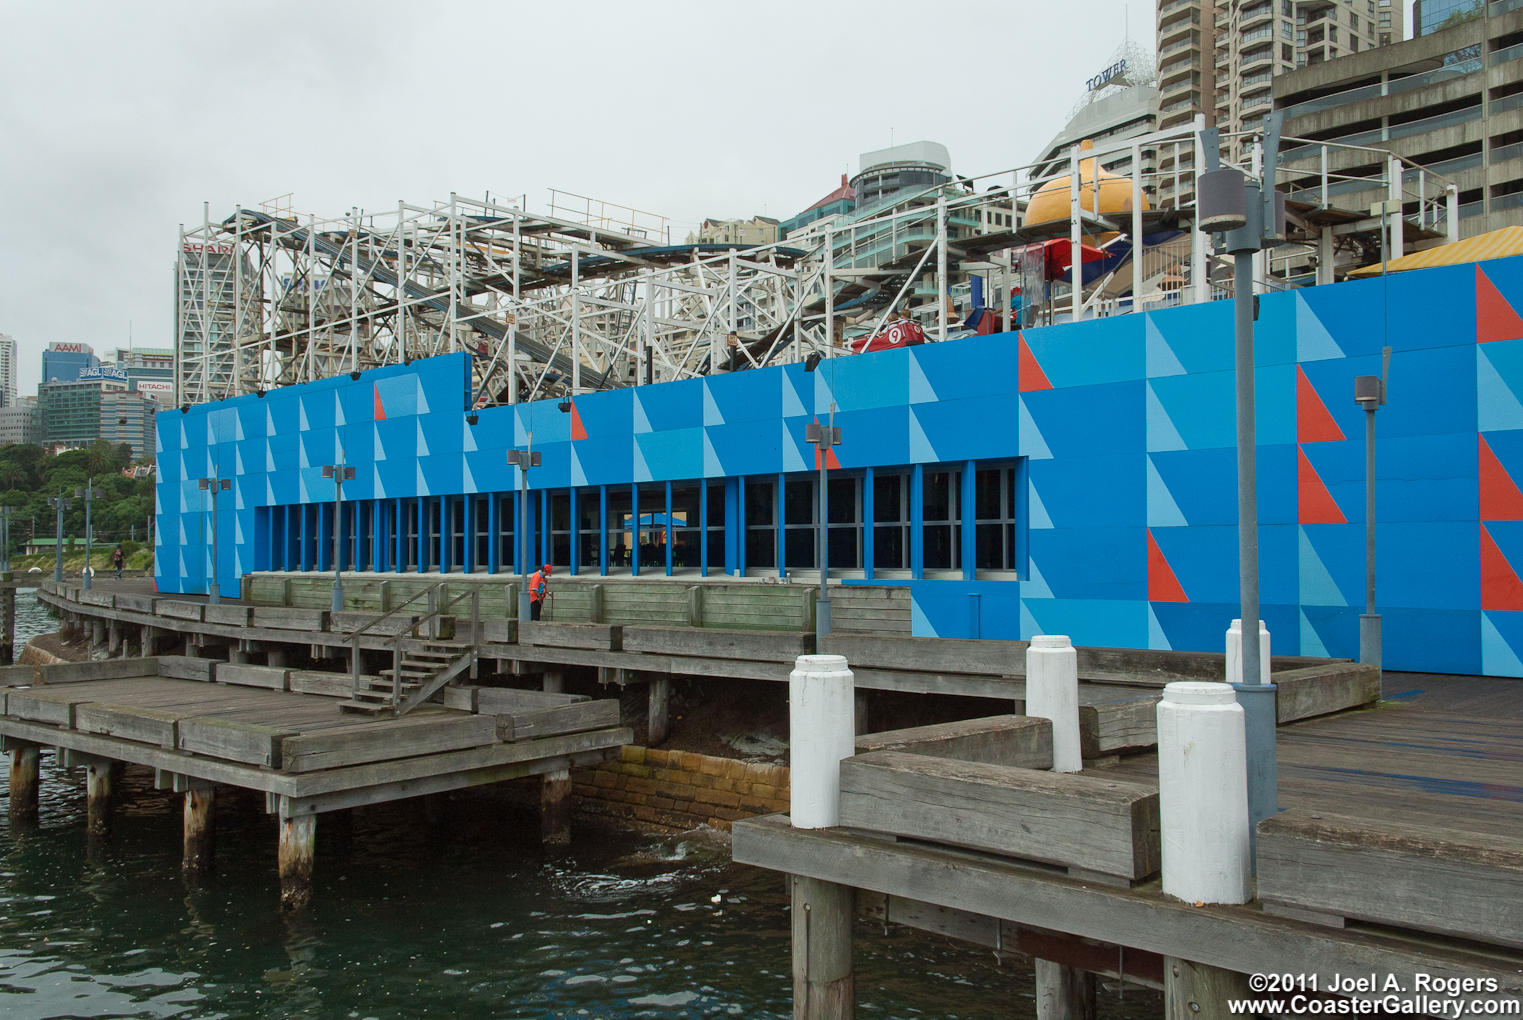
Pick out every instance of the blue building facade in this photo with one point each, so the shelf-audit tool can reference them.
(1076, 479)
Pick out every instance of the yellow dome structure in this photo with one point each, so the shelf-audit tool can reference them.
(1051, 201)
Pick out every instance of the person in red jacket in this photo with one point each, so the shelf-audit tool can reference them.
(538, 588)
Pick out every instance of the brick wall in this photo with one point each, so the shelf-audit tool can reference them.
(679, 790)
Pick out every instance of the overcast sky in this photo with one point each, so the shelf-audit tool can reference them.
(117, 121)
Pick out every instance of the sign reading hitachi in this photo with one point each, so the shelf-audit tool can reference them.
(1105, 77)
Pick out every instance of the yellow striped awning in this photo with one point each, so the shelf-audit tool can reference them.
(1495, 244)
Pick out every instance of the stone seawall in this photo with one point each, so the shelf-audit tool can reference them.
(679, 790)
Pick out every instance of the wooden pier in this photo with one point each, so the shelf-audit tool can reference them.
(1399, 851)
(205, 723)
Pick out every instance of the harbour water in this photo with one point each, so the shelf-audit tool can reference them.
(444, 906)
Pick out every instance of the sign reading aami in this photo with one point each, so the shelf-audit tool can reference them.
(64, 348)
(1116, 70)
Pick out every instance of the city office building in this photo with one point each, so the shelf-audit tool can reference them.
(838, 203)
(7, 371)
(886, 172)
(756, 230)
(1228, 68)
(63, 362)
(1077, 479)
(1450, 100)
(1436, 14)
(148, 370)
(70, 411)
(127, 416)
(18, 422)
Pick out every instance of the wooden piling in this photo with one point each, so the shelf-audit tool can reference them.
(100, 786)
(25, 781)
(97, 633)
(113, 638)
(145, 648)
(863, 715)
(1193, 991)
(276, 656)
(298, 837)
(200, 832)
(824, 982)
(554, 682)
(659, 717)
(8, 626)
(1063, 993)
(555, 808)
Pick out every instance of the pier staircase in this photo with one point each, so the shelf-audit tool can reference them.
(427, 653)
(421, 669)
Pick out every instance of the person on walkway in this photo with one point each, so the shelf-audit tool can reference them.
(538, 589)
(118, 560)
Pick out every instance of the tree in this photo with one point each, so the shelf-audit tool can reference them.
(12, 476)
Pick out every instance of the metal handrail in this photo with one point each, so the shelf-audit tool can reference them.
(354, 657)
(396, 645)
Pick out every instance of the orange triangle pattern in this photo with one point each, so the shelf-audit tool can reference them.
(1495, 319)
(577, 431)
(1500, 498)
(831, 461)
(1163, 585)
(1031, 376)
(1315, 504)
(1500, 587)
(1314, 422)
(380, 408)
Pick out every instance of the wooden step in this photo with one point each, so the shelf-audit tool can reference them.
(364, 708)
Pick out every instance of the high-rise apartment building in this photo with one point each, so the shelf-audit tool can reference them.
(7, 371)
(1432, 15)
(1220, 56)
(18, 422)
(128, 417)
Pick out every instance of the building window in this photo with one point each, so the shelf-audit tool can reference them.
(560, 529)
(1287, 53)
(620, 536)
(994, 500)
(844, 530)
(761, 525)
(942, 527)
(1385, 38)
(686, 509)
(481, 537)
(891, 521)
(715, 536)
(589, 528)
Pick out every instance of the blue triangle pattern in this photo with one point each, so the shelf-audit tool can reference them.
(1037, 587)
(642, 423)
(921, 450)
(1317, 585)
(711, 415)
(641, 469)
(792, 405)
(1157, 639)
(1029, 441)
(920, 625)
(1161, 359)
(713, 467)
(1036, 511)
(1497, 407)
(1163, 511)
(793, 460)
(1497, 656)
(578, 476)
(921, 390)
(1311, 641)
(1313, 341)
(1029, 627)
(1162, 435)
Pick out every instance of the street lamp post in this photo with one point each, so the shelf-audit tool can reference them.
(525, 459)
(89, 492)
(1251, 218)
(823, 439)
(214, 485)
(61, 503)
(338, 472)
(1370, 393)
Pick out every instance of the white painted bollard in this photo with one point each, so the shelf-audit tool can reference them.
(1203, 793)
(821, 731)
(1052, 692)
(1235, 651)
